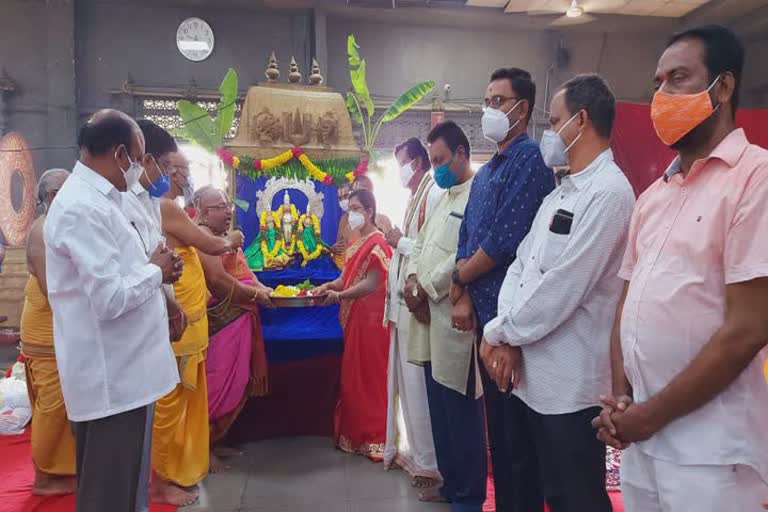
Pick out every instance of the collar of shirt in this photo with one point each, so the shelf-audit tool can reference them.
(97, 181)
(507, 153)
(139, 190)
(458, 189)
(729, 151)
(579, 180)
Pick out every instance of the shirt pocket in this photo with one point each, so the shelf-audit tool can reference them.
(448, 237)
(551, 250)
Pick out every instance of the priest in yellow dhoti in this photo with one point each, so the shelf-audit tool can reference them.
(180, 441)
(53, 444)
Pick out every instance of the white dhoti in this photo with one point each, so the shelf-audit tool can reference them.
(409, 430)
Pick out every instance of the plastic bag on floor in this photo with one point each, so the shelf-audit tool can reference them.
(15, 409)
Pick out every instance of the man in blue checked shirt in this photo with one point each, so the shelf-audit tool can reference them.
(503, 201)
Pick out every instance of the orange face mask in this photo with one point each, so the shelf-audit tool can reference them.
(674, 115)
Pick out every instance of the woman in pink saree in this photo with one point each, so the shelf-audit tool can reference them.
(236, 363)
(361, 408)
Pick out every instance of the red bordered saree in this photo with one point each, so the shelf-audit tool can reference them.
(360, 421)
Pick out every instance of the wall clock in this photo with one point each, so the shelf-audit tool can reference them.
(194, 39)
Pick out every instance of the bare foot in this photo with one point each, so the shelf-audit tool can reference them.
(423, 482)
(215, 464)
(51, 485)
(226, 452)
(432, 495)
(166, 492)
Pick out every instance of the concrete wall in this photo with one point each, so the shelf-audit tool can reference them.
(37, 52)
(398, 55)
(118, 39)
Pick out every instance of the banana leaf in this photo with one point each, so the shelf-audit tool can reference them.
(357, 76)
(353, 110)
(407, 100)
(198, 125)
(226, 108)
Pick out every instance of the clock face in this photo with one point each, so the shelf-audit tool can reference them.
(194, 38)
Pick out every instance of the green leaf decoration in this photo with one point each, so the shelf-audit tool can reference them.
(407, 100)
(198, 125)
(352, 51)
(357, 76)
(353, 110)
(226, 108)
(243, 205)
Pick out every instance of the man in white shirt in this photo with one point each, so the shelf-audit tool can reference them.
(409, 431)
(109, 319)
(549, 343)
(447, 354)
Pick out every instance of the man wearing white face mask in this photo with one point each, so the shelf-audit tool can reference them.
(409, 432)
(109, 318)
(550, 342)
(506, 194)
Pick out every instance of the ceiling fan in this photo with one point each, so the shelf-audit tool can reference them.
(574, 12)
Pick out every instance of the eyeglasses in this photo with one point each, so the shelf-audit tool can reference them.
(222, 207)
(497, 101)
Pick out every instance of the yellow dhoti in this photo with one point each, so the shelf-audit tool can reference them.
(53, 444)
(180, 433)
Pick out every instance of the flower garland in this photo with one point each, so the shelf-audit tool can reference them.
(269, 255)
(308, 256)
(269, 164)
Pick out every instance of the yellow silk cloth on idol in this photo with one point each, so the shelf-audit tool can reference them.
(53, 444)
(180, 432)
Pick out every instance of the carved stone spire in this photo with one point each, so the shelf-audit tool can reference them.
(294, 75)
(315, 78)
(272, 72)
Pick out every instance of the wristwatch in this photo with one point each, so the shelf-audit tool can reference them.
(456, 278)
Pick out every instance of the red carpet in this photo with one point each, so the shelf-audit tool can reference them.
(17, 474)
(489, 506)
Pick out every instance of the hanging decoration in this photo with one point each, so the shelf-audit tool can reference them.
(279, 165)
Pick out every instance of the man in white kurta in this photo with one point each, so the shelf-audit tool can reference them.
(409, 431)
(447, 354)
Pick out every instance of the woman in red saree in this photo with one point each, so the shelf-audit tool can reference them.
(361, 408)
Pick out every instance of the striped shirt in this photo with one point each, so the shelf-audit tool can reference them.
(559, 297)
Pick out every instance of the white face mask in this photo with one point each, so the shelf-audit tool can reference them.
(553, 148)
(356, 220)
(406, 174)
(496, 123)
(132, 174)
(344, 204)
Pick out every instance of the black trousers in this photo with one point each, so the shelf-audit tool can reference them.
(513, 457)
(459, 434)
(570, 459)
(113, 462)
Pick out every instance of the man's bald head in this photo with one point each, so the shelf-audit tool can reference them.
(214, 209)
(110, 141)
(107, 130)
(363, 182)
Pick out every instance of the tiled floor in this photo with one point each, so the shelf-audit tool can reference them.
(307, 474)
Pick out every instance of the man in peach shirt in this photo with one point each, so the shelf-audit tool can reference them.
(690, 401)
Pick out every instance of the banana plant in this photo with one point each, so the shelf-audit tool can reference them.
(202, 129)
(360, 103)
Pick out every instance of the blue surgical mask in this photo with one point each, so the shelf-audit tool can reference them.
(443, 175)
(160, 187)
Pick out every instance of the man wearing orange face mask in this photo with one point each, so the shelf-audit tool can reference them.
(690, 403)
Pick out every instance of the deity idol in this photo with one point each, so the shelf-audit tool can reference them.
(310, 244)
(288, 220)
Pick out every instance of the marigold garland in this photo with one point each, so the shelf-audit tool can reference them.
(268, 164)
(308, 256)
